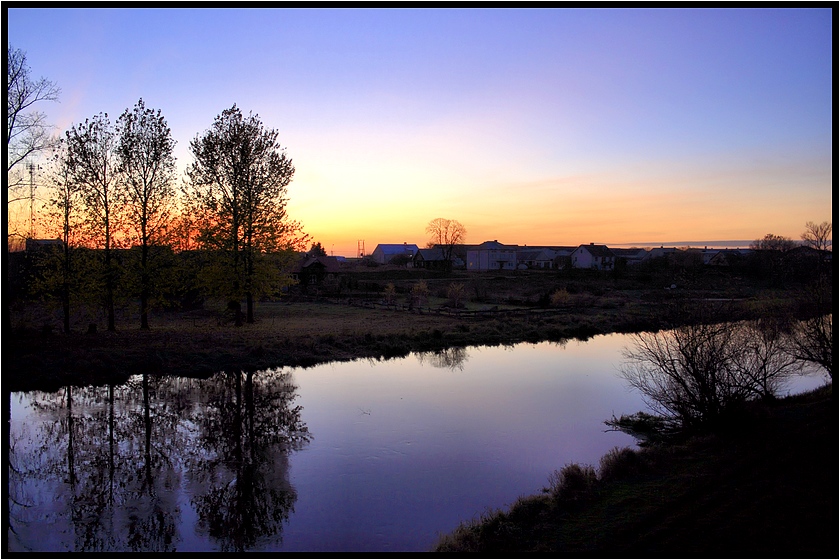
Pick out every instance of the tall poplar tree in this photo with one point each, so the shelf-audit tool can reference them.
(92, 159)
(147, 170)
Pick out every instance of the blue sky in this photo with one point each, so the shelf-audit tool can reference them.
(551, 126)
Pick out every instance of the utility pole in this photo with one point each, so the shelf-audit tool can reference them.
(32, 168)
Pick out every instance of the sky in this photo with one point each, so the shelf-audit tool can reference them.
(528, 126)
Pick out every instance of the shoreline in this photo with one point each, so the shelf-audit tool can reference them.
(303, 334)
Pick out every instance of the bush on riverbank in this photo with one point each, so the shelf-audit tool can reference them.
(764, 488)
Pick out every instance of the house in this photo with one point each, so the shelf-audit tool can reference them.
(597, 257)
(534, 257)
(727, 257)
(563, 257)
(312, 270)
(661, 251)
(632, 256)
(384, 252)
(491, 255)
(431, 259)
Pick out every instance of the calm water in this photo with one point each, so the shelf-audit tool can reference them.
(360, 456)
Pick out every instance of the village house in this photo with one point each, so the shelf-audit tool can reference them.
(534, 257)
(597, 257)
(384, 252)
(491, 255)
(632, 256)
(313, 270)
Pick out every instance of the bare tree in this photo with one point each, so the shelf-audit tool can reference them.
(27, 131)
(693, 374)
(771, 242)
(92, 158)
(238, 184)
(446, 234)
(818, 237)
(147, 167)
(685, 373)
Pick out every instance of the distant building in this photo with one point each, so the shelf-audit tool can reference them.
(42, 244)
(384, 252)
(310, 270)
(491, 255)
(631, 256)
(597, 257)
(431, 259)
(535, 257)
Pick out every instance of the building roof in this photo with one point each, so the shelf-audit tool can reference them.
(495, 245)
(533, 255)
(330, 264)
(396, 248)
(434, 254)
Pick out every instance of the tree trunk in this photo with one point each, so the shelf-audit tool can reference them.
(109, 291)
(65, 288)
(249, 307)
(144, 286)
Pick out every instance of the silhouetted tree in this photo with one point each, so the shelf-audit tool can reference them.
(317, 250)
(27, 133)
(238, 186)
(694, 374)
(27, 130)
(63, 208)
(771, 242)
(446, 234)
(92, 160)
(769, 255)
(818, 237)
(147, 167)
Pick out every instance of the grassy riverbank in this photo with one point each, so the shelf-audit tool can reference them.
(767, 488)
(305, 333)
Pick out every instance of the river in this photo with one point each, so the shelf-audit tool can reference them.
(352, 456)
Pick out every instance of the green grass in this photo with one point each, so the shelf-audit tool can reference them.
(766, 488)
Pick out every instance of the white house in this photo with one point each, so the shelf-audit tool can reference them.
(492, 255)
(597, 257)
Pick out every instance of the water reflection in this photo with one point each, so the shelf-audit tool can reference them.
(103, 468)
(405, 449)
(448, 358)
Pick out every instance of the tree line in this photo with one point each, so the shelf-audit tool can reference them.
(113, 185)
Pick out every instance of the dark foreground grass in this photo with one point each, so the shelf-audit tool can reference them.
(766, 488)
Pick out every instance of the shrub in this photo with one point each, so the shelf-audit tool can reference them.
(419, 292)
(559, 297)
(619, 464)
(455, 293)
(572, 483)
(390, 293)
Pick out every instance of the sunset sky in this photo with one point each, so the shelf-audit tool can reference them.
(549, 126)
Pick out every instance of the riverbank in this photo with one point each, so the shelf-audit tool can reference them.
(305, 333)
(766, 488)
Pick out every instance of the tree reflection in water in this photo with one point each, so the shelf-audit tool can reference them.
(451, 358)
(246, 433)
(102, 468)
